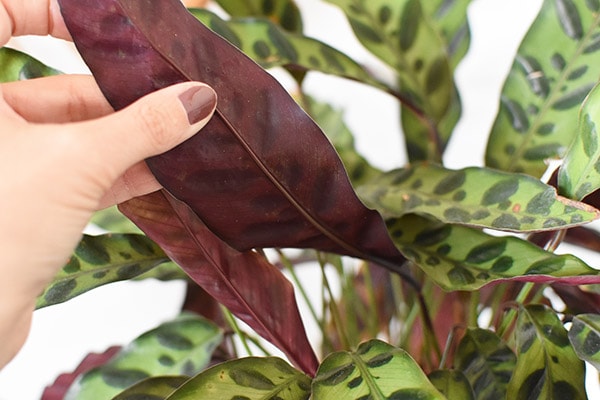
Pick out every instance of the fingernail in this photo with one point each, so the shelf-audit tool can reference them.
(199, 102)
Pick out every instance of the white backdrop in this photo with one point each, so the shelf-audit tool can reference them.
(61, 335)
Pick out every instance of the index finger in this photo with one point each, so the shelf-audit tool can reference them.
(31, 17)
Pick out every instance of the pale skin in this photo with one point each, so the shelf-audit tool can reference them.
(64, 154)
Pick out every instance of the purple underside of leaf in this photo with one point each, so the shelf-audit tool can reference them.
(543, 279)
(261, 173)
(245, 282)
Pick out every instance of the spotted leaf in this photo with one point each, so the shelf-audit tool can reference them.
(547, 367)
(585, 338)
(282, 12)
(580, 172)
(480, 197)
(452, 383)
(376, 370)
(270, 46)
(157, 388)
(487, 362)
(401, 35)
(180, 347)
(16, 66)
(99, 260)
(251, 378)
(546, 85)
(462, 258)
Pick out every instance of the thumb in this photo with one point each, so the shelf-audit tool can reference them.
(152, 125)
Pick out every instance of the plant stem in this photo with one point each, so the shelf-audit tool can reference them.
(335, 312)
(236, 328)
(511, 314)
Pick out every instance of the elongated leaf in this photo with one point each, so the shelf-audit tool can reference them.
(281, 12)
(16, 65)
(99, 260)
(546, 85)
(249, 378)
(158, 388)
(547, 367)
(487, 362)
(180, 347)
(580, 172)
(251, 175)
(461, 258)
(452, 383)
(375, 371)
(585, 338)
(475, 196)
(245, 283)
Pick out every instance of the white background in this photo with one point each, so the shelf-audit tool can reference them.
(63, 334)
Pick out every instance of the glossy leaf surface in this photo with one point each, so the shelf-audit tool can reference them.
(580, 172)
(487, 362)
(180, 347)
(376, 370)
(462, 258)
(99, 260)
(251, 378)
(16, 65)
(452, 383)
(546, 85)
(475, 196)
(585, 338)
(157, 388)
(246, 283)
(547, 367)
(282, 12)
(251, 175)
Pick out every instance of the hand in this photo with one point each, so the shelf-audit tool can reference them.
(64, 153)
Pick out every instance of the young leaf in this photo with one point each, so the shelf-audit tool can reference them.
(251, 175)
(180, 347)
(282, 12)
(480, 197)
(547, 367)
(16, 65)
(453, 384)
(99, 260)
(580, 172)
(546, 85)
(487, 362)
(246, 283)
(585, 338)
(251, 378)
(461, 258)
(376, 370)
(157, 388)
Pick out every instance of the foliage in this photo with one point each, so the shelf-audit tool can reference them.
(454, 245)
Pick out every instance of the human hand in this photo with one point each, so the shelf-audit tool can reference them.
(64, 153)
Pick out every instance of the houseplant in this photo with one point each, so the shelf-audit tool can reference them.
(539, 105)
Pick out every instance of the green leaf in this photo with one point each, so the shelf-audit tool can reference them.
(111, 219)
(331, 122)
(462, 258)
(180, 347)
(99, 260)
(546, 85)
(16, 65)
(487, 362)
(580, 172)
(480, 197)
(585, 338)
(282, 12)
(547, 367)
(251, 378)
(401, 35)
(453, 384)
(375, 371)
(270, 46)
(158, 388)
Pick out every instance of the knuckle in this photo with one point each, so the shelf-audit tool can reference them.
(158, 126)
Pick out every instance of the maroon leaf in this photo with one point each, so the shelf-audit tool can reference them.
(262, 173)
(246, 283)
